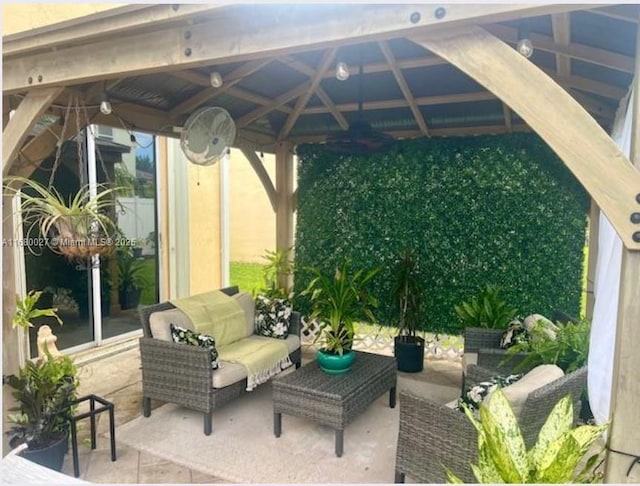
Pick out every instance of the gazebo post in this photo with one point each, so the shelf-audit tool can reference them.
(625, 386)
(284, 198)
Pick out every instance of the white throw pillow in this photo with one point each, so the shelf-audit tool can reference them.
(518, 392)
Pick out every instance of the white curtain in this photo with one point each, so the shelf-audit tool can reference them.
(606, 292)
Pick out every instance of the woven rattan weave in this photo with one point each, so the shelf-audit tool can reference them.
(433, 437)
(180, 374)
(334, 400)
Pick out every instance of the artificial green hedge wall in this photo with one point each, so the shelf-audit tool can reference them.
(500, 210)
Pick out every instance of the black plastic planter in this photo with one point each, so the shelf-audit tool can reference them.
(409, 353)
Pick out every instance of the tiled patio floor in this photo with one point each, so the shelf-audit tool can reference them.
(117, 378)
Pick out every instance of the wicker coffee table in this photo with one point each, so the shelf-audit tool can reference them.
(334, 400)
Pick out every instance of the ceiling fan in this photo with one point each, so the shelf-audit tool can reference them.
(359, 137)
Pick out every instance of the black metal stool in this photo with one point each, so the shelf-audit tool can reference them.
(93, 411)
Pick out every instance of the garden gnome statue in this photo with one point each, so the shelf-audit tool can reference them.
(47, 343)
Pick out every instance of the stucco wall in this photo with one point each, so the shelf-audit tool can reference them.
(204, 227)
(252, 220)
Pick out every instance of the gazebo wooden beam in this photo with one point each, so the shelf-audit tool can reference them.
(404, 87)
(25, 117)
(262, 174)
(561, 26)
(585, 148)
(296, 30)
(304, 98)
(209, 93)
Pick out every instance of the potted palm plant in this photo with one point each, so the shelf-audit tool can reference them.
(77, 227)
(337, 303)
(44, 390)
(408, 347)
(131, 279)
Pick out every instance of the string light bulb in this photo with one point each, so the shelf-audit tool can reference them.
(105, 105)
(342, 71)
(216, 79)
(524, 46)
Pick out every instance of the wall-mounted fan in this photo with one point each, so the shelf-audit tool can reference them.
(359, 137)
(207, 134)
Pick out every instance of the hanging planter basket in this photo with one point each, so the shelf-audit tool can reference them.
(77, 227)
(80, 237)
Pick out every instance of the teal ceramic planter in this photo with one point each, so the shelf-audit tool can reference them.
(334, 364)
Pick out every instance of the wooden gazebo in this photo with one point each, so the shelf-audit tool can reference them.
(428, 70)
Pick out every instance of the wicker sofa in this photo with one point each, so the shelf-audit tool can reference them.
(433, 436)
(182, 374)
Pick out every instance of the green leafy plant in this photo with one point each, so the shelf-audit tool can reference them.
(486, 309)
(44, 390)
(568, 349)
(556, 457)
(74, 227)
(408, 294)
(131, 274)
(275, 272)
(338, 302)
(26, 310)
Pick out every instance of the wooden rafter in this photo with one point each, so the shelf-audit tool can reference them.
(233, 78)
(177, 48)
(333, 109)
(304, 98)
(586, 149)
(607, 12)
(507, 116)
(252, 97)
(26, 115)
(577, 51)
(404, 87)
(589, 85)
(262, 174)
(320, 92)
(561, 26)
(244, 120)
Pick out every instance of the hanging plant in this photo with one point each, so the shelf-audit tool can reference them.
(77, 227)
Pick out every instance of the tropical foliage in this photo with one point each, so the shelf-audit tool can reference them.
(27, 310)
(568, 347)
(495, 209)
(486, 309)
(274, 274)
(338, 302)
(73, 226)
(558, 456)
(408, 293)
(43, 389)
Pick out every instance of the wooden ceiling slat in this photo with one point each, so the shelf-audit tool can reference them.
(244, 120)
(593, 55)
(404, 87)
(302, 101)
(561, 27)
(210, 93)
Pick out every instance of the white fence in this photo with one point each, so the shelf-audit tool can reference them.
(136, 219)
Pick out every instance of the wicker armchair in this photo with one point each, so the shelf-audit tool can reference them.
(432, 436)
(182, 374)
(485, 343)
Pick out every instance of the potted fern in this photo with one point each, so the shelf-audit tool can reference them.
(337, 303)
(408, 347)
(77, 227)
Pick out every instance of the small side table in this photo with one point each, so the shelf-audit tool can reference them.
(93, 411)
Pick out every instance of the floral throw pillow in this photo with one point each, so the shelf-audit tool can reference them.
(273, 317)
(474, 396)
(516, 333)
(187, 336)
